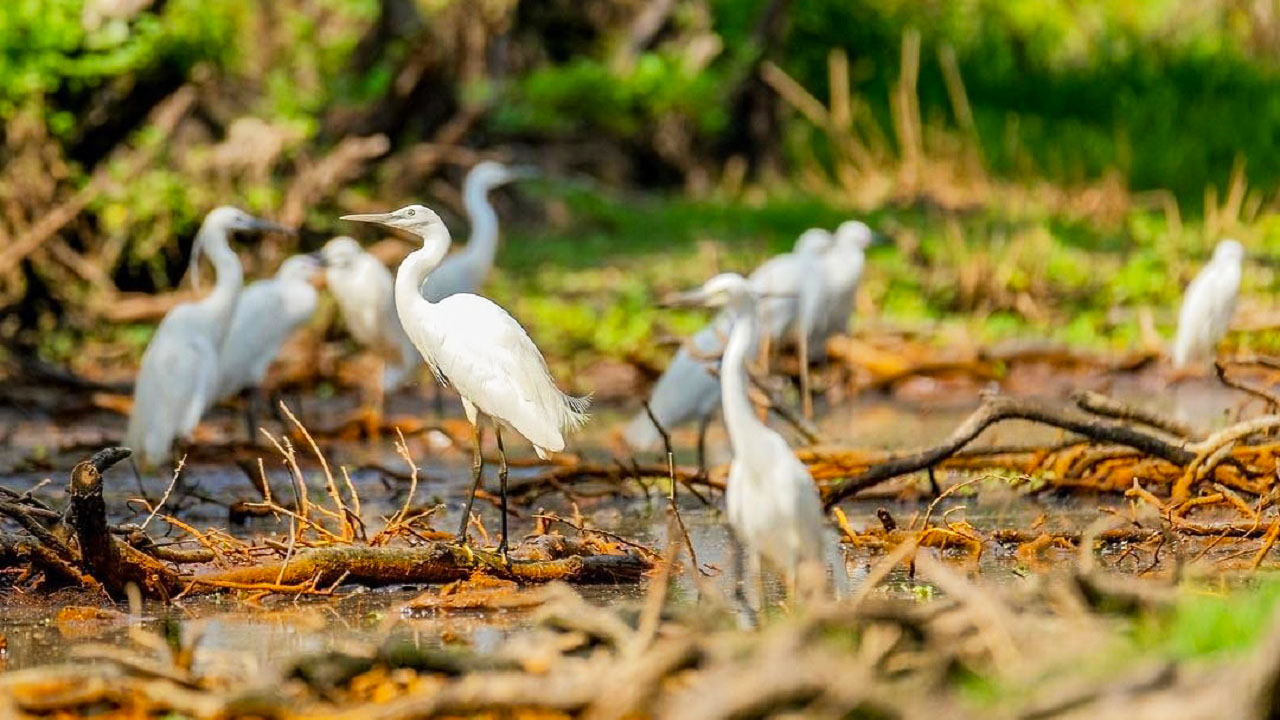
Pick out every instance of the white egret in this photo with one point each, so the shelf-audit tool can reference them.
(475, 345)
(687, 390)
(771, 499)
(267, 313)
(364, 289)
(793, 296)
(467, 269)
(1208, 305)
(842, 268)
(178, 379)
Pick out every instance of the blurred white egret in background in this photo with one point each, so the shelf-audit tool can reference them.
(178, 378)
(771, 499)
(793, 297)
(792, 302)
(1208, 305)
(267, 313)
(467, 269)
(476, 346)
(843, 265)
(363, 287)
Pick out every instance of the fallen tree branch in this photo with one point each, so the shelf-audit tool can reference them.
(996, 409)
(1100, 404)
(434, 562)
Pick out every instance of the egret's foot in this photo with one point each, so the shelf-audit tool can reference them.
(502, 550)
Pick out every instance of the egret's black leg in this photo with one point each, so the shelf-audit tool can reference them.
(273, 403)
(502, 482)
(251, 399)
(477, 468)
(137, 475)
(806, 397)
(739, 561)
(703, 423)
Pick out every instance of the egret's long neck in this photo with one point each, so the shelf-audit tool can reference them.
(221, 303)
(739, 416)
(482, 247)
(417, 266)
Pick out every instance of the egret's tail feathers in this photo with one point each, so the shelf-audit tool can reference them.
(641, 433)
(575, 412)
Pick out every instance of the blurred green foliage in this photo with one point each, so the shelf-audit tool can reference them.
(1169, 92)
(52, 52)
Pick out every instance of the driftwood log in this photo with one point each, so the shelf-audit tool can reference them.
(108, 560)
(435, 562)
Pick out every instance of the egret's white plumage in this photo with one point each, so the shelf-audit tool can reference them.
(267, 313)
(685, 391)
(1208, 305)
(476, 346)
(364, 289)
(466, 270)
(772, 502)
(791, 304)
(842, 267)
(178, 378)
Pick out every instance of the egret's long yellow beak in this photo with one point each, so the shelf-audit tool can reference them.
(382, 218)
(690, 298)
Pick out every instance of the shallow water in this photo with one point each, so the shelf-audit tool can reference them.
(259, 642)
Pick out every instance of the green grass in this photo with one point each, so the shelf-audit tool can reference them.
(590, 282)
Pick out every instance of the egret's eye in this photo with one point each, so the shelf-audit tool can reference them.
(410, 212)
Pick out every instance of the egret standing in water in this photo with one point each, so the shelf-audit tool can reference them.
(476, 346)
(364, 289)
(771, 499)
(687, 390)
(792, 297)
(1207, 308)
(267, 313)
(178, 379)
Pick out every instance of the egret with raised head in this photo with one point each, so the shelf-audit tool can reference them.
(476, 346)
(687, 389)
(178, 379)
(771, 500)
(467, 269)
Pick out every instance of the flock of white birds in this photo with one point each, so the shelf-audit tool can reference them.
(222, 345)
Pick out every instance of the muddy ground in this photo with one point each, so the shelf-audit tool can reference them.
(993, 529)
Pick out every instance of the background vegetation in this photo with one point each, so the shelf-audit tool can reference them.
(1047, 168)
